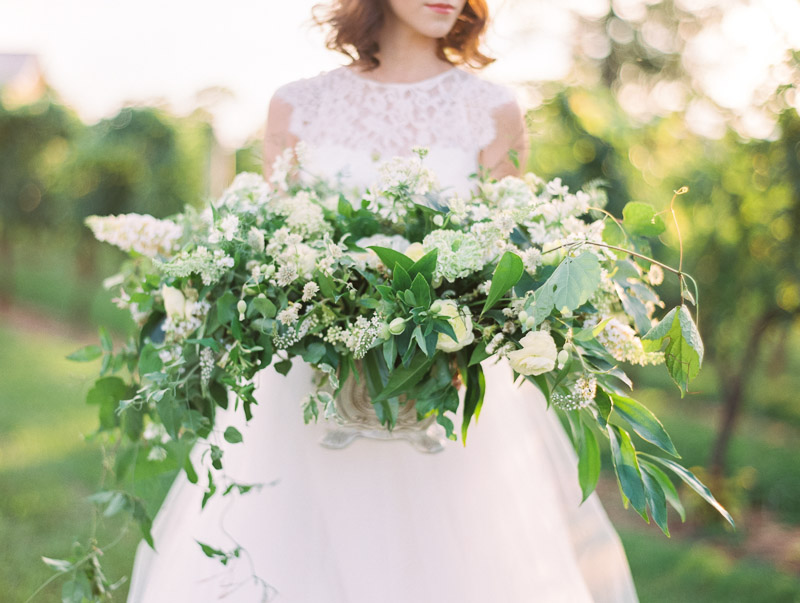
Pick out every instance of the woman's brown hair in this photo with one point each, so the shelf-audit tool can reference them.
(355, 25)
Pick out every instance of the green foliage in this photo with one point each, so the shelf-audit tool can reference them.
(683, 348)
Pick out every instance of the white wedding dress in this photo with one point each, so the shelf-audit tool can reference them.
(379, 521)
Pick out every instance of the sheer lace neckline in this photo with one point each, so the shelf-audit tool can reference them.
(419, 83)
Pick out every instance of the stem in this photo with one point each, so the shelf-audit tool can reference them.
(628, 251)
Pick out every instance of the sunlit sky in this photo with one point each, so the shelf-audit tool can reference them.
(100, 54)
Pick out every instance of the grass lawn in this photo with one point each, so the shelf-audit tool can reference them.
(47, 470)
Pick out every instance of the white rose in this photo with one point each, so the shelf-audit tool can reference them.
(175, 303)
(461, 321)
(538, 354)
(415, 251)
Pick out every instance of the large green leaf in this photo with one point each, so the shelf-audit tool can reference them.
(574, 280)
(683, 353)
(641, 219)
(404, 378)
(390, 257)
(473, 398)
(588, 462)
(400, 281)
(107, 393)
(666, 485)
(572, 283)
(422, 291)
(425, 265)
(508, 271)
(656, 501)
(695, 484)
(644, 423)
(624, 456)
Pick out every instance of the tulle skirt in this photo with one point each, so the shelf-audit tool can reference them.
(379, 521)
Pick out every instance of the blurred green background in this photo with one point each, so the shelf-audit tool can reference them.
(740, 228)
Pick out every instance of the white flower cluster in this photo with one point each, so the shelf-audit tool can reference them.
(303, 213)
(247, 193)
(292, 334)
(359, 337)
(211, 266)
(136, 232)
(400, 180)
(460, 253)
(227, 229)
(622, 342)
(206, 365)
(179, 327)
(581, 394)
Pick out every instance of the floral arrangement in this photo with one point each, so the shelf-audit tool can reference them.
(411, 284)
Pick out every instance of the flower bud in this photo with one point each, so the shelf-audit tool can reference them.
(563, 357)
(383, 330)
(397, 326)
(530, 322)
(438, 220)
(436, 307)
(523, 317)
(242, 308)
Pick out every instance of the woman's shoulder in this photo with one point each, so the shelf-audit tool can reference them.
(305, 89)
(486, 93)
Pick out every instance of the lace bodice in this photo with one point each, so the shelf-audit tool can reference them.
(351, 122)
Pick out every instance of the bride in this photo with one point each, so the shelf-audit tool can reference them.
(377, 520)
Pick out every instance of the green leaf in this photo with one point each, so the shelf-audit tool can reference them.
(389, 351)
(644, 423)
(641, 219)
(507, 273)
(326, 286)
(479, 353)
(208, 342)
(656, 500)
(417, 334)
(694, 483)
(77, 590)
(635, 308)
(666, 486)
(149, 361)
(572, 283)
(344, 207)
(283, 367)
(171, 414)
(143, 519)
(683, 353)
(105, 340)
(400, 279)
(387, 293)
(422, 291)
(314, 352)
(226, 307)
(604, 406)
(264, 306)
(392, 258)
(86, 354)
(473, 398)
(624, 456)
(588, 462)
(232, 435)
(107, 393)
(425, 265)
(403, 379)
